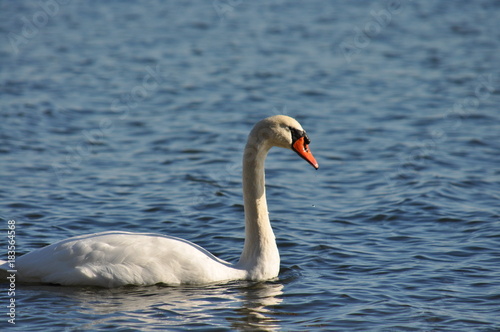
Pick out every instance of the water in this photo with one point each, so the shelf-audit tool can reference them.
(133, 116)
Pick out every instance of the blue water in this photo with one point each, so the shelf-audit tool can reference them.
(132, 116)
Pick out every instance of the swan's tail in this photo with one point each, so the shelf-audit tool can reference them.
(3, 271)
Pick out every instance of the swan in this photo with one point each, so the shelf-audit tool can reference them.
(116, 258)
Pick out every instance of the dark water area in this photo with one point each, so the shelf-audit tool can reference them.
(132, 116)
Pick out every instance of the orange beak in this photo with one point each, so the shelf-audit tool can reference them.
(302, 148)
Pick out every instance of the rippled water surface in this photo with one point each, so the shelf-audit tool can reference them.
(132, 116)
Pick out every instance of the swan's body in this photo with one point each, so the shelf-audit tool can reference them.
(112, 259)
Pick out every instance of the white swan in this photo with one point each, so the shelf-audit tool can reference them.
(113, 259)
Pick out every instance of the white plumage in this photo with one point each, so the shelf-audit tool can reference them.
(113, 259)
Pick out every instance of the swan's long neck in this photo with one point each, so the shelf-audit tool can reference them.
(260, 255)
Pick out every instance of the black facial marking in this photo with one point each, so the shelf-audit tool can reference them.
(296, 134)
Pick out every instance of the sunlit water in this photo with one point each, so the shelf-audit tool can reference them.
(133, 116)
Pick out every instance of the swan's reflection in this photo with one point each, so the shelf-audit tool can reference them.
(246, 305)
(255, 313)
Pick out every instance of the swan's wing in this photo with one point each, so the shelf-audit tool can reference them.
(112, 259)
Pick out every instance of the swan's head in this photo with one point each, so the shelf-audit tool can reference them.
(286, 132)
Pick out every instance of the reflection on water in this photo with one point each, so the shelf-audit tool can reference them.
(247, 306)
(255, 312)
